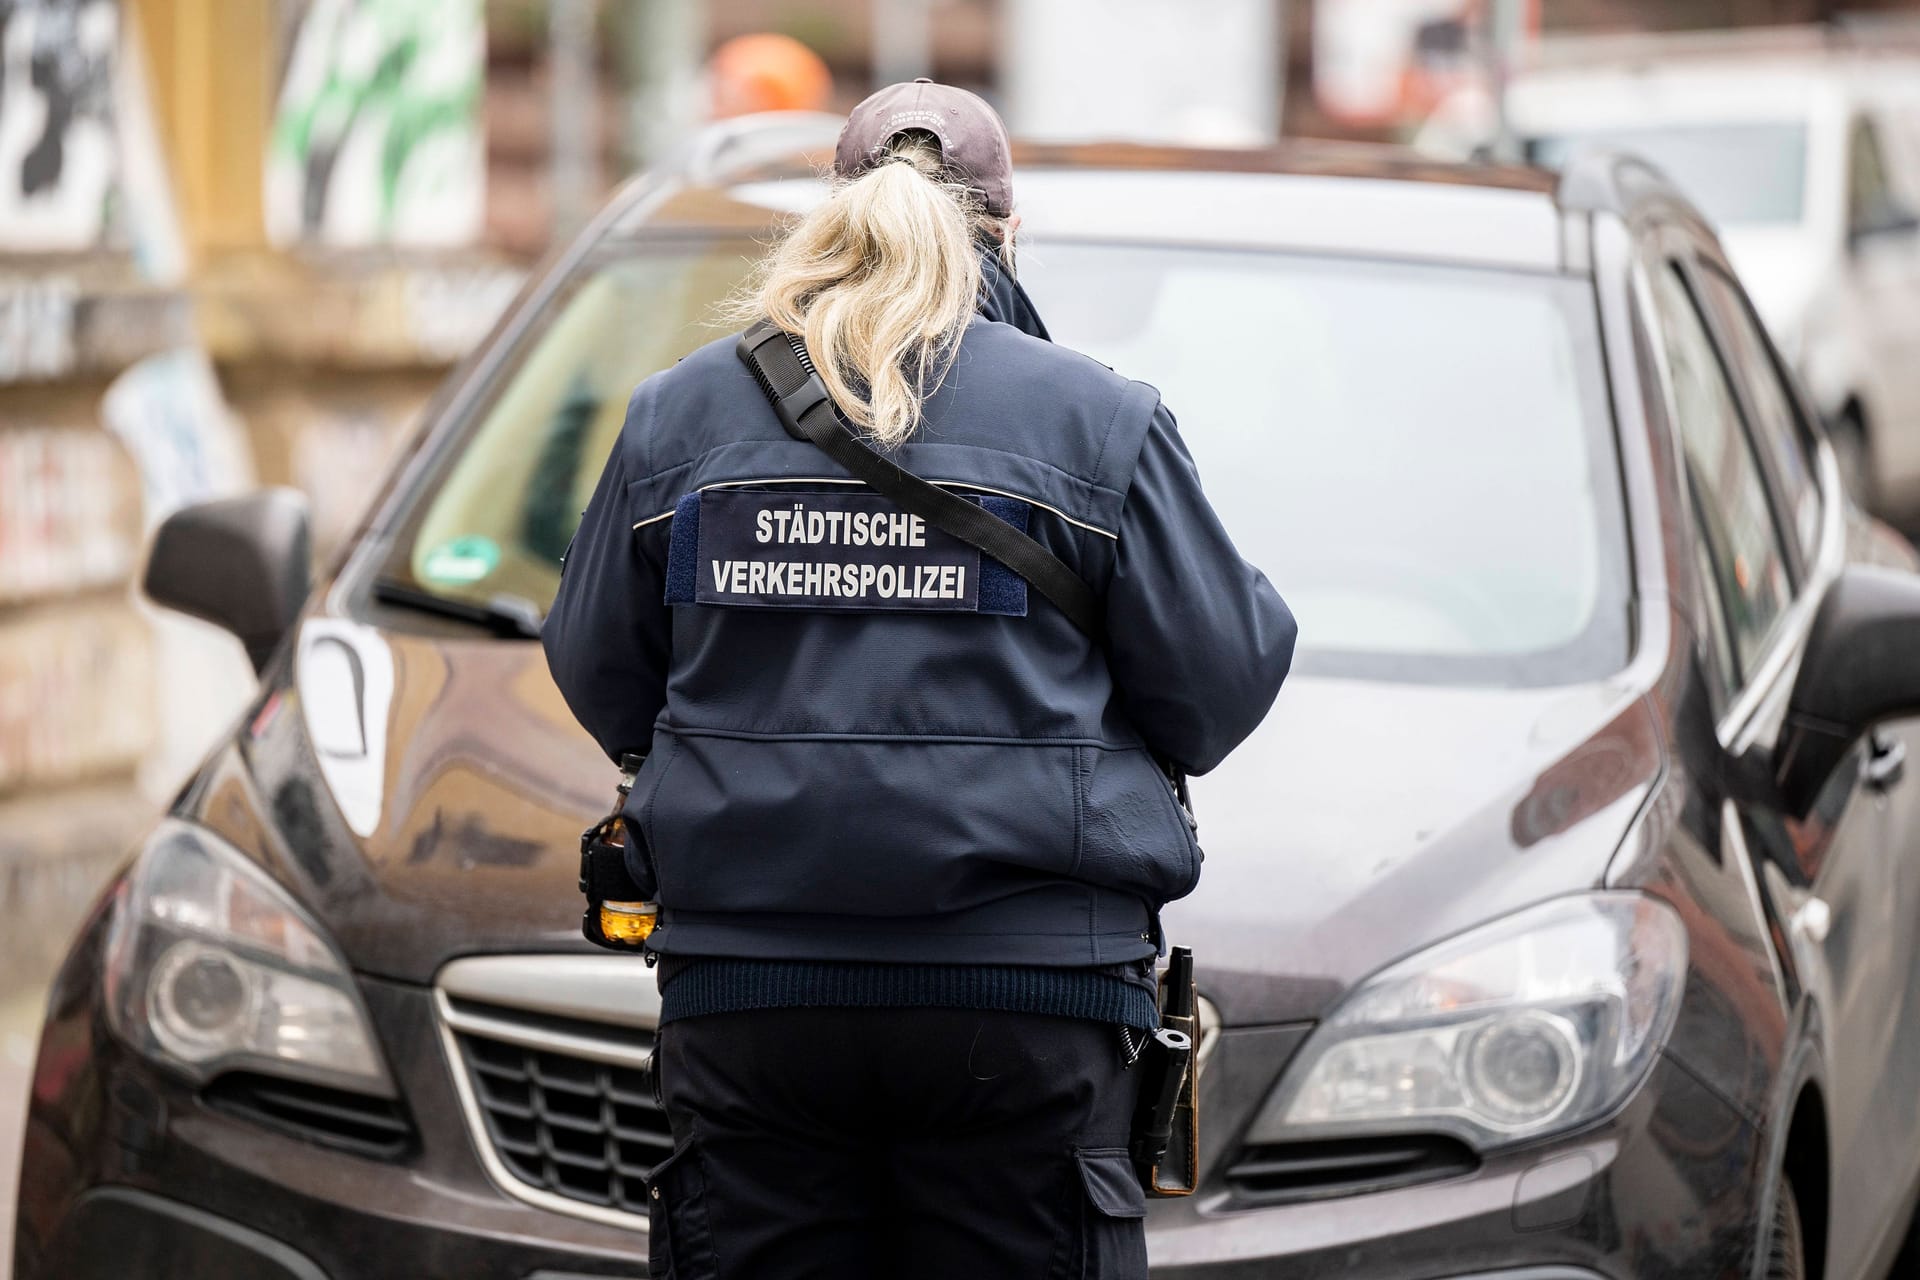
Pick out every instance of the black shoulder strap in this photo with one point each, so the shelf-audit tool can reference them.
(786, 373)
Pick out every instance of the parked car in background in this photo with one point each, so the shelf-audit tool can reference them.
(1807, 163)
(1557, 925)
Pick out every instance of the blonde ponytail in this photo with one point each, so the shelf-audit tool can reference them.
(880, 279)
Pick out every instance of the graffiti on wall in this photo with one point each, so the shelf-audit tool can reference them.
(69, 513)
(76, 693)
(168, 412)
(377, 134)
(59, 150)
(36, 325)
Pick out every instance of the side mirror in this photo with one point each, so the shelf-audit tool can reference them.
(1861, 666)
(239, 563)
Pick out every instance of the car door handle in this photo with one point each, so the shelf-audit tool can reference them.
(1886, 761)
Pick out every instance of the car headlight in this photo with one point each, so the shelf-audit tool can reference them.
(1536, 1023)
(211, 967)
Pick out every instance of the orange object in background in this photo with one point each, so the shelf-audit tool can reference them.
(766, 72)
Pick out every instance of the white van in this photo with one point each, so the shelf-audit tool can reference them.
(1808, 160)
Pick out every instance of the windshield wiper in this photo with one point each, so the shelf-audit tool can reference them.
(511, 617)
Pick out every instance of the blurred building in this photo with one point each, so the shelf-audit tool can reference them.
(240, 243)
(1373, 68)
(109, 414)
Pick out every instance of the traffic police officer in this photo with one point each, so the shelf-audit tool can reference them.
(909, 829)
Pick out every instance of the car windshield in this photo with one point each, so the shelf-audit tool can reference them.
(1418, 457)
(1739, 174)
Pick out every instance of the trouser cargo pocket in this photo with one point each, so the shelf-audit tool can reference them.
(1113, 1210)
(680, 1243)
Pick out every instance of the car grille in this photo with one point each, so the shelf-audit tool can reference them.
(581, 1129)
(550, 1057)
(560, 1104)
(1282, 1172)
(333, 1117)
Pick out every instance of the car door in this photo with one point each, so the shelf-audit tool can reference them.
(1767, 526)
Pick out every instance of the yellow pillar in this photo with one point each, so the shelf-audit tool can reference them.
(210, 64)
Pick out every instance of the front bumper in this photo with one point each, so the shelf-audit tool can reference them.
(110, 1226)
(1666, 1188)
(123, 1164)
(113, 1230)
(119, 1157)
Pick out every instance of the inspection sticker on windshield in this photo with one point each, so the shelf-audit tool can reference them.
(764, 549)
(463, 560)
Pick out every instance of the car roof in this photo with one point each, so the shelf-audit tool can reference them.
(1824, 51)
(1663, 79)
(1340, 199)
(1812, 77)
(1662, 90)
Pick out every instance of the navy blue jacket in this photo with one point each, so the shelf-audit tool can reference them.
(922, 773)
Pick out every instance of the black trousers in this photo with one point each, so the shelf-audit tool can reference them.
(896, 1144)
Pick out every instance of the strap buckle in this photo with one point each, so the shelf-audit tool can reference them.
(590, 840)
(802, 399)
(792, 408)
(586, 858)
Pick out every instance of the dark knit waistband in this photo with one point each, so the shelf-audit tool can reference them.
(694, 986)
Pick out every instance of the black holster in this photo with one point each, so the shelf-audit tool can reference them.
(1166, 1122)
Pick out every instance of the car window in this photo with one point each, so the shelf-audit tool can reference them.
(499, 521)
(1712, 607)
(1732, 507)
(1456, 518)
(1377, 436)
(1778, 427)
(1902, 138)
(1871, 202)
(1739, 174)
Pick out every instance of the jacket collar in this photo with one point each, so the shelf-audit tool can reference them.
(1002, 298)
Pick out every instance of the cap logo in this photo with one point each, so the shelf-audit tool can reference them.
(900, 121)
(971, 138)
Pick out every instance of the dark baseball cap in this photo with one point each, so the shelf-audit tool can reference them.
(972, 138)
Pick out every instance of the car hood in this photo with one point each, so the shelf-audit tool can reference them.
(1365, 821)
(424, 796)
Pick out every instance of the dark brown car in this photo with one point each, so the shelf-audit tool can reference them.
(1558, 924)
